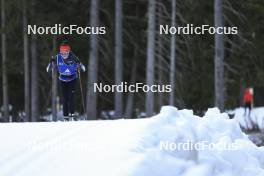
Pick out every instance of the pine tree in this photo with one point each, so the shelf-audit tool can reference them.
(219, 57)
(91, 106)
(118, 57)
(150, 56)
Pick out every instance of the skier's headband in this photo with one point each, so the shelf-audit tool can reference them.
(65, 48)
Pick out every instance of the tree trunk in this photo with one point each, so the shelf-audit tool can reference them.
(54, 83)
(26, 65)
(34, 80)
(130, 98)
(160, 63)
(150, 57)
(219, 58)
(34, 72)
(118, 57)
(4, 64)
(173, 55)
(242, 89)
(91, 106)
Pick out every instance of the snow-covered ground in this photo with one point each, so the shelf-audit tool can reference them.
(254, 121)
(172, 143)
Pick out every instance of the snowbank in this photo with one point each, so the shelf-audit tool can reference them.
(233, 154)
(172, 143)
(253, 122)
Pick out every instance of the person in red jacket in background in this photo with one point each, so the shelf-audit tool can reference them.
(248, 100)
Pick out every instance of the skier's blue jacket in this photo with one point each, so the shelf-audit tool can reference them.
(67, 68)
(67, 72)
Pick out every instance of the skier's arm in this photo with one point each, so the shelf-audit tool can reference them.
(49, 67)
(74, 57)
(77, 60)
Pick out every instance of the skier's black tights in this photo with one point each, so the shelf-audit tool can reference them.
(247, 106)
(68, 91)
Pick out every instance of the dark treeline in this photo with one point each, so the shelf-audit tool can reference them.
(204, 70)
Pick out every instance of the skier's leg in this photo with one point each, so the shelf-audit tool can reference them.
(64, 88)
(71, 96)
(245, 107)
(249, 109)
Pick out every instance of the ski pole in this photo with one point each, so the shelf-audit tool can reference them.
(54, 90)
(80, 80)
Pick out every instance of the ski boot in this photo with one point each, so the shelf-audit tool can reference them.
(73, 117)
(66, 118)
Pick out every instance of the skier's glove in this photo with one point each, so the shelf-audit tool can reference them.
(81, 67)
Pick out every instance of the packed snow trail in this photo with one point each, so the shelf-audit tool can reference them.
(129, 147)
(252, 121)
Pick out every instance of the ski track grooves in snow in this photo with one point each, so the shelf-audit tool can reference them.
(23, 156)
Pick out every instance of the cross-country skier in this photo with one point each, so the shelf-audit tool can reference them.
(248, 100)
(67, 65)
